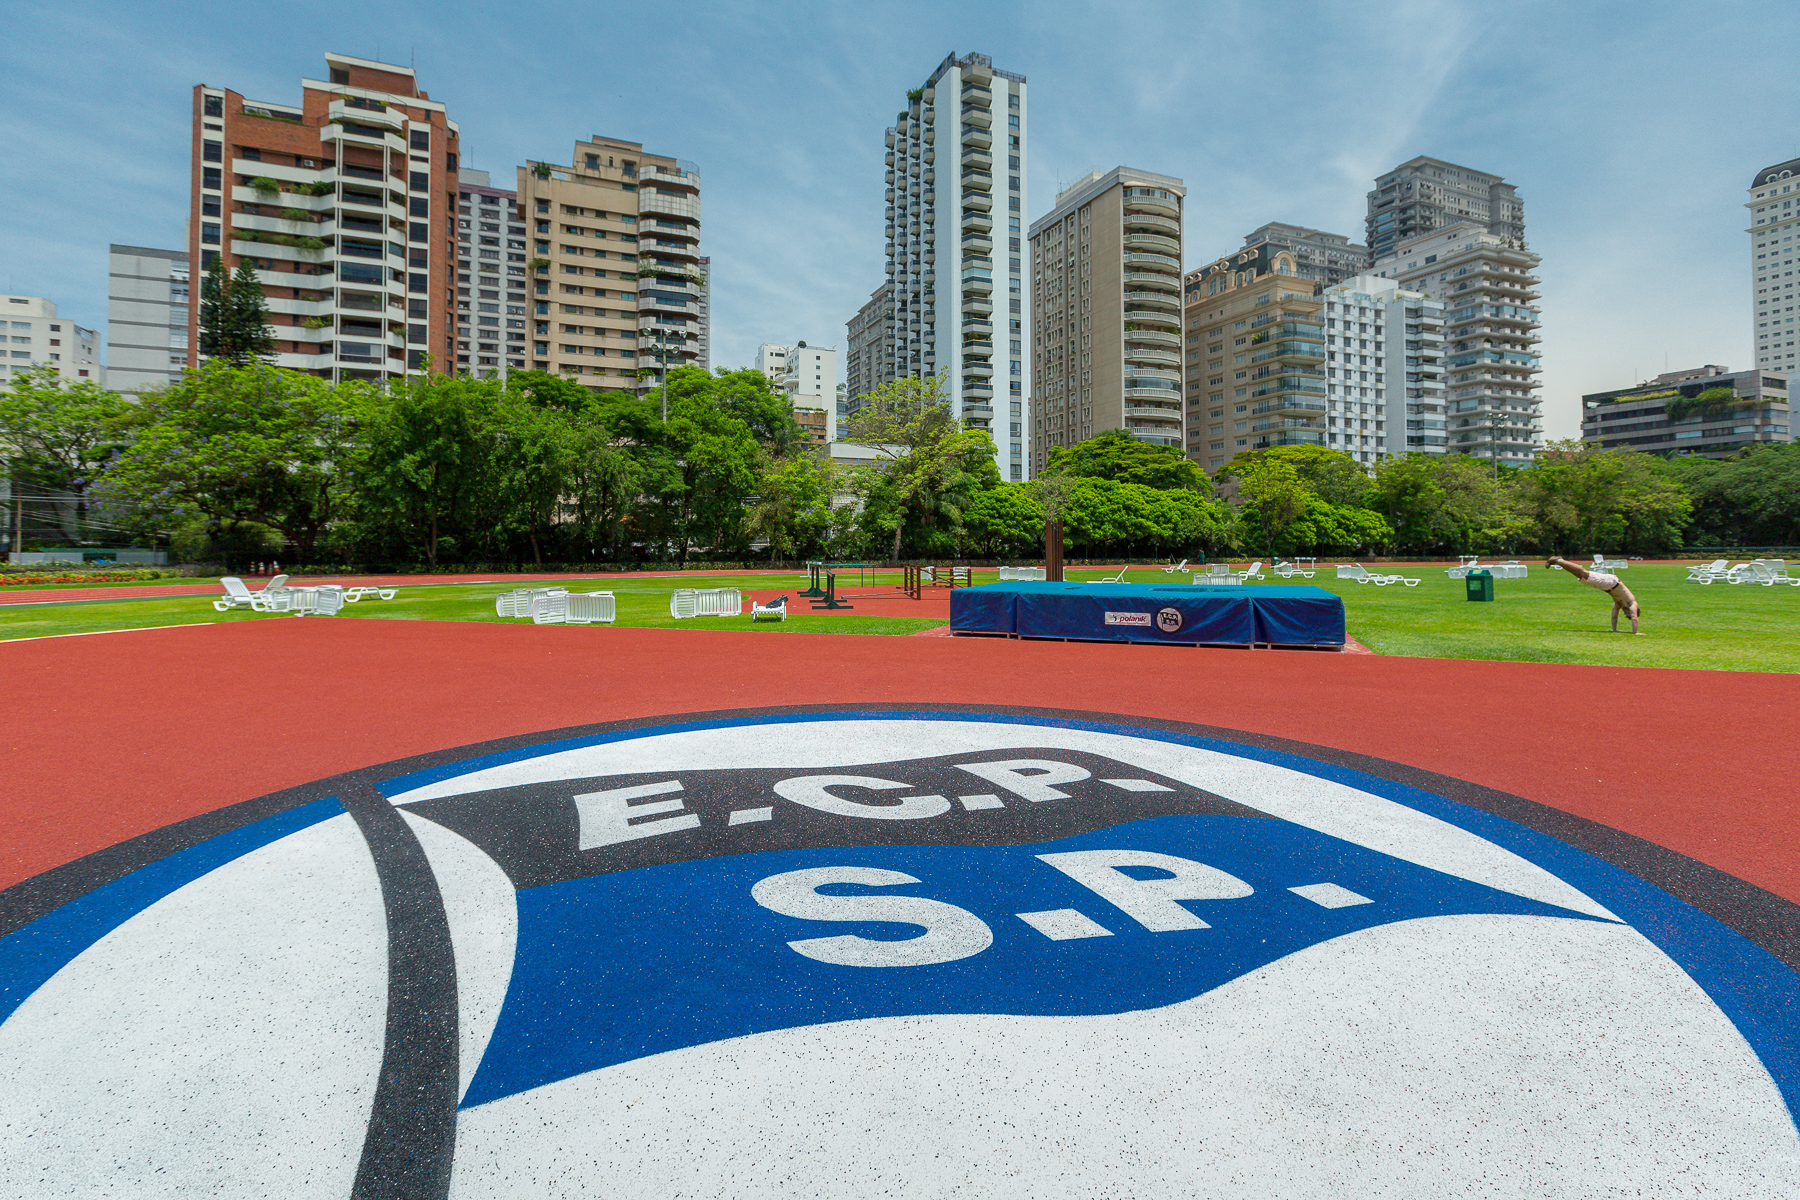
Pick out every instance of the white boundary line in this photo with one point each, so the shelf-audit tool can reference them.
(97, 632)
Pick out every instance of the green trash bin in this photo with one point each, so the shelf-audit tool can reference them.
(1480, 585)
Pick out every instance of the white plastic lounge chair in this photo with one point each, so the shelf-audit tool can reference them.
(271, 598)
(353, 594)
(1706, 573)
(1287, 570)
(1777, 568)
(1465, 564)
(1359, 573)
(1253, 571)
(1176, 568)
(1753, 572)
(774, 610)
(1119, 578)
(1217, 580)
(591, 608)
(549, 608)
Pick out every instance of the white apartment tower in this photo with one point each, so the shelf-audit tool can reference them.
(1487, 283)
(1384, 390)
(148, 293)
(35, 336)
(807, 375)
(1774, 231)
(490, 276)
(956, 201)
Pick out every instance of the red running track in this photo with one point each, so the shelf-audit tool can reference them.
(109, 737)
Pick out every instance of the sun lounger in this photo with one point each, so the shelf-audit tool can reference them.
(1357, 572)
(1218, 580)
(1119, 578)
(272, 598)
(705, 602)
(1715, 569)
(1253, 571)
(1287, 570)
(774, 610)
(1176, 568)
(353, 594)
(590, 608)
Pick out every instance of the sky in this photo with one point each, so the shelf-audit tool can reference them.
(1631, 130)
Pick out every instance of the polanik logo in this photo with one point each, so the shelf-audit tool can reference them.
(848, 954)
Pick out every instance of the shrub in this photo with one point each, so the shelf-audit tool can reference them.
(263, 183)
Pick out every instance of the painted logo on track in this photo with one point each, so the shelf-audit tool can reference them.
(842, 953)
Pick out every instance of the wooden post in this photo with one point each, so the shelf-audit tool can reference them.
(1053, 552)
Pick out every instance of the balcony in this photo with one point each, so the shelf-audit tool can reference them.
(345, 131)
(684, 206)
(978, 201)
(1152, 301)
(364, 112)
(977, 324)
(1153, 337)
(977, 303)
(977, 221)
(977, 93)
(978, 115)
(1137, 207)
(979, 243)
(974, 179)
(979, 369)
(1153, 262)
(977, 136)
(973, 389)
(1142, 412)
(1170, 283)
(1154, 243)
(977, 281)
(977, 156)
(1155, 358)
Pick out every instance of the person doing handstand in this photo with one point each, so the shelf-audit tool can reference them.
(1612, 585)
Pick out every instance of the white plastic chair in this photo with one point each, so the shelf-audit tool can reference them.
(1176, 568)
(353, 594)
(1253, 571)
(684, 603)
(590, 608)
(1218, 580)
(1119, 578)
(1698, 573)
(551, 608)
(774, 610)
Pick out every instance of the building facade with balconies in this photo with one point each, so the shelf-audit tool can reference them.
(345, 206)
(1255, 356)
(1666, 416)
(807, 376)
(491, 305)
(1324, 258)
(1427, 194)
(616, 275)
(148, 294)
(1384, 374)
(1487, 283)
(1774, 213)
(956, 162)
(1106, 312)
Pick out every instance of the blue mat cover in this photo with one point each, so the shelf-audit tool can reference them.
(1291, 616)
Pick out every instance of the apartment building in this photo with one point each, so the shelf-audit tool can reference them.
(345, 205)
(1384, 385)
(702, 329)
(807, 375)
(35, 336)
(1663, 417)
(1324, 258)
(1774, 231)
(1255, 357)
(491, 310)
(1427, 194)
(869, 350)
(972, 329)
(1487, 283)
(616, 285)
(148, 294)
(1106, 311)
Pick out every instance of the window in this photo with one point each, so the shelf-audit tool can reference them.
(420, 181)
(212, 151)
(420, 139)
(209, 233)
(419, 206)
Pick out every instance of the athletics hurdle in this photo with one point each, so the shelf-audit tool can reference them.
(830, 594)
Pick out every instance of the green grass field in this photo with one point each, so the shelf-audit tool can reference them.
(642, 603)
(1547, 617)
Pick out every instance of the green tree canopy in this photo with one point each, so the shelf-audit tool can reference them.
(1579, 498)
(929, 468)
(1115, 454)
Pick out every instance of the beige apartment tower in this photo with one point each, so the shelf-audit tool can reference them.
(1106, 299)
(615, 266)
(1256, 356)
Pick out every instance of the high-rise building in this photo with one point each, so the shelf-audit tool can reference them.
(1653, 418)
(1324, 258)
(147, 301)
(868, 354)
(972, 328)
(345, 206)
(1774, 231)
(490, 278)
(1106, 311)
(1255, 354)
(703, 315)
(1384, 385)
(1427, 194)
(35, 336)
(807, 375)
(1487, 283)
(616, 240)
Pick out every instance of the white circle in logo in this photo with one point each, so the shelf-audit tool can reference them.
(1168, 620)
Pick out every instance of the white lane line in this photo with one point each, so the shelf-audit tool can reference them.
(96, 632)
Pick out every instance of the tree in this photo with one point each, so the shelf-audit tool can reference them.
(1579, 498)
(1115, 454)
(1004, 520)
(55, 434)
(1271, 497)
(793, 508)
(239, 444)
(1439, 503)
(430, 480)
(234, 318)
(1752, 499)
(929, 467)
(1331, 475)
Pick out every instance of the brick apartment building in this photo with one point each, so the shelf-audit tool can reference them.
(346, 205)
